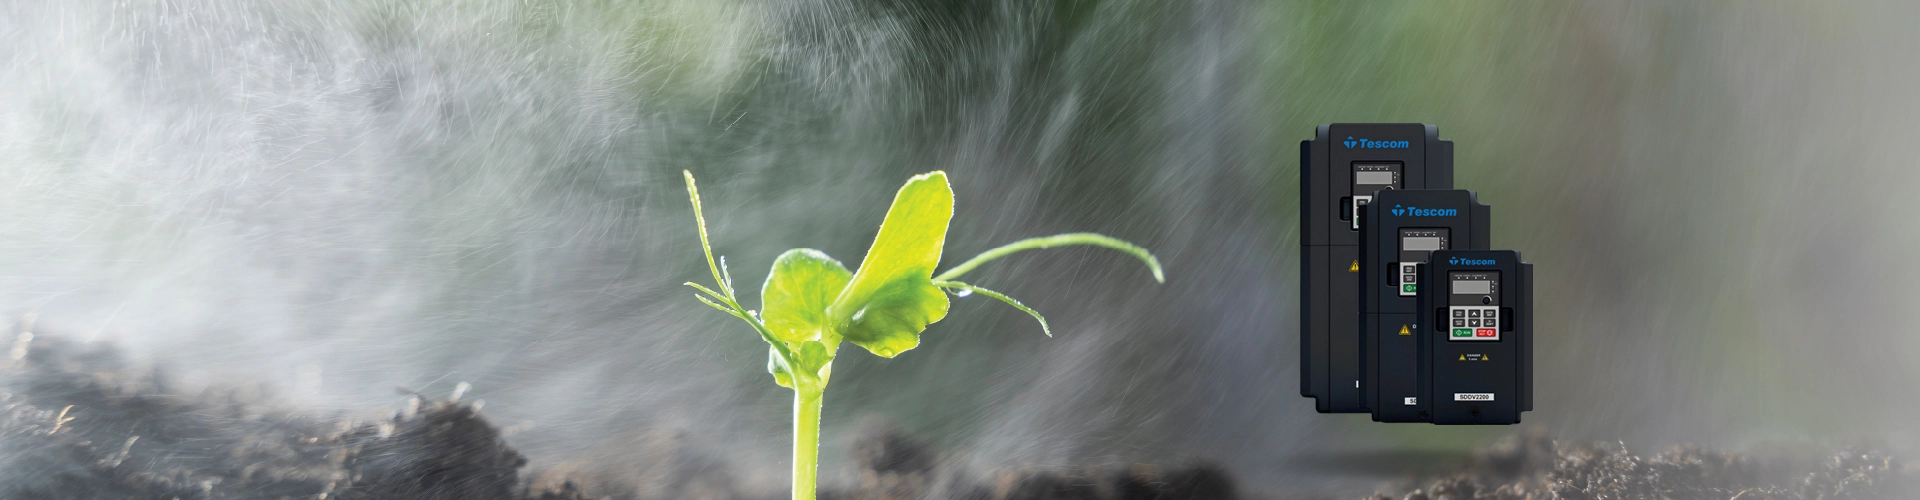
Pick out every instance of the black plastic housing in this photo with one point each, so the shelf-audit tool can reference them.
(1330, 355)
(1390, 354)
(1476, 382)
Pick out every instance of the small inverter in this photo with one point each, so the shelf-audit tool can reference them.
(1341, 169)
(1477, 355)
(1398, 230)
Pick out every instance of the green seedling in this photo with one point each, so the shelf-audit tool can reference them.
(810, 302)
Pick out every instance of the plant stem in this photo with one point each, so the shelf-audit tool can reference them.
(807, 399)
(1058, 240)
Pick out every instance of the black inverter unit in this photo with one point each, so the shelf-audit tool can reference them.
(1340, 170)
(1477, 357)
(1397, 232)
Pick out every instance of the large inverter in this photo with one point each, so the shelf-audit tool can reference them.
(1340, 170)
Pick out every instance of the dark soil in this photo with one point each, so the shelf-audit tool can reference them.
(75, 425)
(1532, 466)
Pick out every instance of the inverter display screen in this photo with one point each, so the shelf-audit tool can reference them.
(1472, 287)
(1373, 178)
(1417, 242)
(1422, 244)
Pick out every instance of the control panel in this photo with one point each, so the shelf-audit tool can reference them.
(1369, 177)
(1473, 306)
(1415, 244)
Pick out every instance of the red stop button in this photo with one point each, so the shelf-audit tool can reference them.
(1484, 332)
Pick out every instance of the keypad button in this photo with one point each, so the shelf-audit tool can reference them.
(1473, 323)
(1459, 322)
(1406, 279)
(1485, 332)
(1459, 313)
(1473, 313)
(1490, 313)
(1488, 323)
(1462, 332)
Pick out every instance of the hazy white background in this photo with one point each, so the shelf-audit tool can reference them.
(332, 199)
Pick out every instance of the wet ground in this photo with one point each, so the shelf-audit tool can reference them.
(75, 424)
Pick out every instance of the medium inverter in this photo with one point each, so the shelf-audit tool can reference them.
(1397, 232)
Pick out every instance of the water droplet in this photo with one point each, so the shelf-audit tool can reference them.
(963, 292)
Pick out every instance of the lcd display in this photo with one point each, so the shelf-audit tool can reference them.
(1472, 287)
(1420, 244)
(1373, 178)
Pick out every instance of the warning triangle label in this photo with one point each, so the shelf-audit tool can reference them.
(1405, 331)
(1463, 357)
(1354, 268)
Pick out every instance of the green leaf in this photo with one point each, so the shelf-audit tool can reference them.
(778, 367)
(815, 360)
(1002, 297)
(892, 298)
(798, 292)
(893, 317)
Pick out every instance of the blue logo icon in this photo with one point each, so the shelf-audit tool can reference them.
(1363, 143)
(1397, 211)
(1469, 262)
